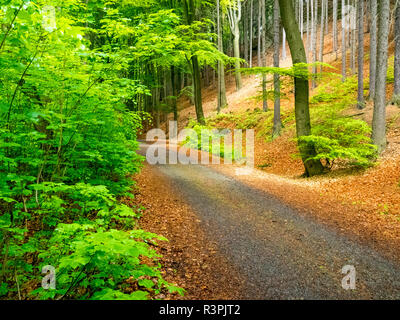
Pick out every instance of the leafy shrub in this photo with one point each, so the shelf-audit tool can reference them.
(342, 139)
(215, 142)
(67, 153)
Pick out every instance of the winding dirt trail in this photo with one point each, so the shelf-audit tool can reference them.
(267, 249)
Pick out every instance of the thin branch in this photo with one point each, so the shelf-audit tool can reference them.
(11, 25)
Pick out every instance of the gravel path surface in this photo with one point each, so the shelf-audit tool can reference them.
(281, 253)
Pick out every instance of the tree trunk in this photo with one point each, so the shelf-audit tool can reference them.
(189, 11)
(175, 83)
(284, 55)
(277, 100)
(301, 17)
(314, 45)
(308, 43)
(360, 17)
(245, 32)
(344, 51)
(302, 112)
(353, 40)
(251, 35)
(264, 55)
(259, 33)
(379, 118)
(322, 34)
(373, 48)
(234, 16)
(222, 101)
(396, 92)
(334, 29)
(197, 90)
(236, 53)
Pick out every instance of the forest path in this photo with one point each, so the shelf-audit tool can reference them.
(282, 253)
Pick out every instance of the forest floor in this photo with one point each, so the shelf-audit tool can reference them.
(363, 205)
(229, 239)
(364, 202)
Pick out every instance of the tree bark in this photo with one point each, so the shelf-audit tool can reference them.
(234, 16)
(396, 92)
(322, 34)
(360, 17)
(197, 90)
(189, 14)
(353, 39)
(302, 112)
(251, 35)
(379, 117)
(334, 29)
(264, 55)
(314, 41)
(245, 32)
(373, 48)
(308, 43)
(222, 101)
(344, 51)
(277, 86)
(259, 33)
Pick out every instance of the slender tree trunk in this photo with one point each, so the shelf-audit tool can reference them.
(322, 34)
(277, 86)
(246, 32)
(314, 45)
(302, 112)
(234, 16)
(348, 22)
(189, 13)
(360, 17)
(222, 101)
(353, 40)
(236, 52)
(259, 33)
(344, 51)
(326, 16)
(396, 92)
(197, 90)
(373, 48)
(379, 117)
(334, 29)
(308, 44)
(284, 55)
(251, 35)
(301, 17)
(264, 55)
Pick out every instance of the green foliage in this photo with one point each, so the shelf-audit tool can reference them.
(342, 139)
(212, 140)
(68, 124)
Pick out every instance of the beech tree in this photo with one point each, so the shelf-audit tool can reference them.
(264, 55)
(314, 9)
(360, 19)
(222, 101)
(277, 86)
(344, 51)
(234, 17)
(322, 33)
(373, 48)
(302, 112)
(396, 89)
(334, 29)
